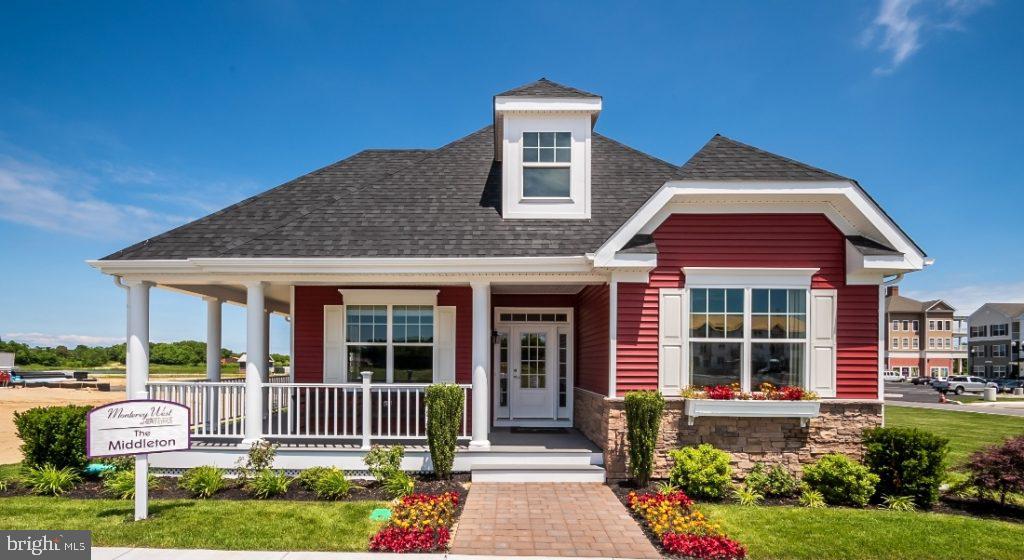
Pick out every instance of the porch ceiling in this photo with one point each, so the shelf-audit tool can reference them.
(278, 296)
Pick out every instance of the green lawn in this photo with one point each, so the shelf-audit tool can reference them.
(214, 524)
(847, 534)
(967, 431)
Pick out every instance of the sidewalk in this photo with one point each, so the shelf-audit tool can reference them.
(102, 553)
(997, 408)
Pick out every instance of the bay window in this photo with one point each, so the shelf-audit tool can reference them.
(748, 336)
(395, 342)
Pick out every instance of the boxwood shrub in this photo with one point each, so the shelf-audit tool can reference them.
(445, 403)
(701, 471)
(643, 418)
(53, 435)
(841, 480)
(908, 461)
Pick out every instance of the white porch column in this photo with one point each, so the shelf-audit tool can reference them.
(213, 338)
(481, 394)
(137, 349)
(266, 345)
(613, 334)
(255, 362)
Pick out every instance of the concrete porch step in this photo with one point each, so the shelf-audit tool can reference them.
(506, 472)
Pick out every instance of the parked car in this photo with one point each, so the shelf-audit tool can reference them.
(961, 384)
(893, 376)
(921, 380)
(1008, 384)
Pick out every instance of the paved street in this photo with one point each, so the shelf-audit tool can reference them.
(923, 396)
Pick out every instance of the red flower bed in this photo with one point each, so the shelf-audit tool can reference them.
(703, 546)
(397, 539)
(677, 499)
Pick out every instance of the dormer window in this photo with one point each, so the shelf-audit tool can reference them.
(547, 160)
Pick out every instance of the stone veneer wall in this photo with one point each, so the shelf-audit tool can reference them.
(773, 440)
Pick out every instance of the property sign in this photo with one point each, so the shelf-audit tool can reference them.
(137, 427)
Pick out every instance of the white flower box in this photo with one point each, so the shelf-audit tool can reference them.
(804, 410)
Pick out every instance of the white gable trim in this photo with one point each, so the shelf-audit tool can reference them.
(770, 197)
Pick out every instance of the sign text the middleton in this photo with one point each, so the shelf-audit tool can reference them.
(133, 427)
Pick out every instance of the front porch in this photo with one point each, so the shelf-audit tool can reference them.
(362, 357)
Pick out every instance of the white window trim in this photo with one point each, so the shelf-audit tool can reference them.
(352, 296)
(390, 344)
(747, 341)
(543, 165)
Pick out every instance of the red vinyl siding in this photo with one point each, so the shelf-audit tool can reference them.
(750, 240)
(309, 329)
(592, 339)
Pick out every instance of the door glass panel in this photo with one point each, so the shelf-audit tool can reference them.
(503, 370)
(533, 360)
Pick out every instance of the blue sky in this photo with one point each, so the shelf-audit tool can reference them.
(121, 120)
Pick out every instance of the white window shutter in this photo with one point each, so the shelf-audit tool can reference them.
(444, 346)
(670, 340)
(334, 344)
(823, 343)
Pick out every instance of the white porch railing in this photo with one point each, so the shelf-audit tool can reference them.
(342, 411)
(216, 409)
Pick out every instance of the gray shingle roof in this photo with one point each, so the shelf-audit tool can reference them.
(724, 159)
(413, 203)
(1009, 309)
(868, 246)
(546, 88)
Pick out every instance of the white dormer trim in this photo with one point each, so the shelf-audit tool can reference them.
(547, 104)
(517, 206)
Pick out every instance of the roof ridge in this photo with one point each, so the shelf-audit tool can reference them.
(353, 190)
(766, 153)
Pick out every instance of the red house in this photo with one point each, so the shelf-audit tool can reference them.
(548, 270)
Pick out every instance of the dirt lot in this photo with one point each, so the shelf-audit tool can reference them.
(20, 399)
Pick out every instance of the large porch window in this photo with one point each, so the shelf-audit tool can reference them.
(395, 342)
(748, 336)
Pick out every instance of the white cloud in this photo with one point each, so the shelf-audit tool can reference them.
(900, 26)
(69, 340)
(48, 197)
(967, 299)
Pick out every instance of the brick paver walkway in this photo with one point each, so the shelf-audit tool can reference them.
(548, 519)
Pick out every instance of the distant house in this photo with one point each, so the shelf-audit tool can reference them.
(995, 339)
(923, 337)
(547, 270)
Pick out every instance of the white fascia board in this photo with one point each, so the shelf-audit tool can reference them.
(361, 296)
(570, 264)
(652, 213)
(547, 104)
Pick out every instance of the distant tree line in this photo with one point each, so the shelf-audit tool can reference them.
(181, 353)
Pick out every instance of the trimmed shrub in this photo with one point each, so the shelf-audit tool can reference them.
(841, 480)
(53, 435)
(48, 480)
(701, 471)
(267, 484)
(381, 461)
(332, 485)
(998, 470)
(202, 482)
(643, 418)
(445, 404)
(908, 462)
(121, 484)
(776, 482)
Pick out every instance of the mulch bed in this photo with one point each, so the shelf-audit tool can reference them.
(167, 489)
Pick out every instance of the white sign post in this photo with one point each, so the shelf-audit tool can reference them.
(137, 428)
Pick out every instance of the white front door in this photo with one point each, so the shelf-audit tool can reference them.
(533, 363)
